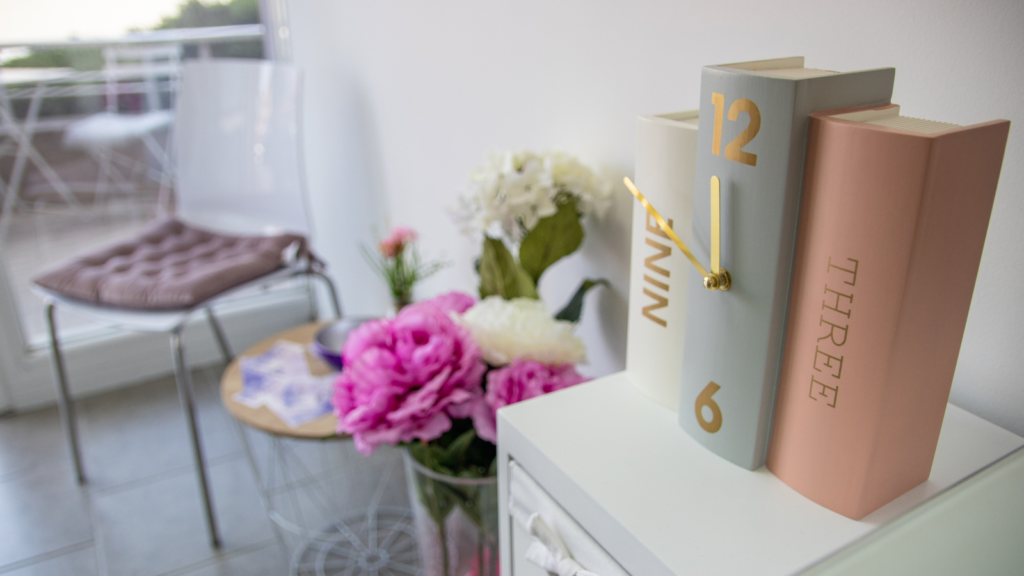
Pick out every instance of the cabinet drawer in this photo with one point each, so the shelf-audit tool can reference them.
(543, 532)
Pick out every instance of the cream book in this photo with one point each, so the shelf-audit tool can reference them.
(666, 151)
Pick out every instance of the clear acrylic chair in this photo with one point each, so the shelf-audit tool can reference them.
(239, 183)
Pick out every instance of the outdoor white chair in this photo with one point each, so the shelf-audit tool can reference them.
(145, 71)
(241, 221)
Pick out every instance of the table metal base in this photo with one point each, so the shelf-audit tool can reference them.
(308, 489)
(374, 542)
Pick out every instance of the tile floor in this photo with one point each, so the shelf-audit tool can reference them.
(140, 513)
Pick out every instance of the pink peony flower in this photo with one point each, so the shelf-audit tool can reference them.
(457, 302)
(520, 380)
(394, 244)
(406, 378)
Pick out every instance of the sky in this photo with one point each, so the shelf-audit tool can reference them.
(26, 20)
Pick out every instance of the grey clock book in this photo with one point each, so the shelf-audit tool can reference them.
(752, 136)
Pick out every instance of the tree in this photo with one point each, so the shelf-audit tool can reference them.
(197, 14)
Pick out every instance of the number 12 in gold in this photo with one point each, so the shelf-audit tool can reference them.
(734, 149)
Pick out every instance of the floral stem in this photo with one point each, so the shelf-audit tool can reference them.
(445, 570)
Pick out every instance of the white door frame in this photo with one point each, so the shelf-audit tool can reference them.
(277, 43)
(11, 341)
(109, 358)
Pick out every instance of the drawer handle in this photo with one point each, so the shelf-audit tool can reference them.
(548, 551)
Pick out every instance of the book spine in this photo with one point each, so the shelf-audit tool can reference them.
(752, 137)
(666, 149)
(891, 231)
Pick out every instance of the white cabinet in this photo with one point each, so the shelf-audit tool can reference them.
(659, 504)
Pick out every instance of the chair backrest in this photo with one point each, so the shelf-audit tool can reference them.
(239, 167)
(140, 69)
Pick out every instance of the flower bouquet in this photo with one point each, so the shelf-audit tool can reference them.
(431, 379)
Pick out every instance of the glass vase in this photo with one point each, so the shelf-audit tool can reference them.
(456, 521)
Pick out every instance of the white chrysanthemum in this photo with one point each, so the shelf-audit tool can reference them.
(512, 191)
(521, 328)
(593, 194)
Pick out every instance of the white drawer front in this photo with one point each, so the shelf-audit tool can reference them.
(541, 524)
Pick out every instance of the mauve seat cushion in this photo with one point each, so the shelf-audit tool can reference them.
(167, 266)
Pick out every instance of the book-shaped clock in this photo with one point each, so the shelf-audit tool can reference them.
(750, 154)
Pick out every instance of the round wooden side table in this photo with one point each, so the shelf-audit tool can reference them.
(298, 483)
(262, 418)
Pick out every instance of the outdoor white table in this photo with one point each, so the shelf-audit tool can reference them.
(10, 76)
(40, 82)
(22, 132)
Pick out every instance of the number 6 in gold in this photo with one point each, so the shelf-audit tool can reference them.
(704, 399)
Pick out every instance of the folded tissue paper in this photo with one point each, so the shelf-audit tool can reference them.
(280, 380)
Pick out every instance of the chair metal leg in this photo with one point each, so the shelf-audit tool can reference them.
(220, 336)
(64, 406)
(330, 290)
(187, 395)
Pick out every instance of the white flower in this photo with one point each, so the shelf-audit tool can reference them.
(594, 194)
(521, 328)
(512, 191)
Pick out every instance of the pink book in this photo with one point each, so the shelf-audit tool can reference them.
(892, 225)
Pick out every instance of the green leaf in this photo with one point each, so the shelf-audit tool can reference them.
(527, 287)
(552, 239)
(574, 309)
(501, 275)
(455, 454)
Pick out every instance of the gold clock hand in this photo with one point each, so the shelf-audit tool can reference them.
(719, 279)
(716, 225)
(717, 272)
(665, 227)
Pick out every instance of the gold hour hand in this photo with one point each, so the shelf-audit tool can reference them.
(721, 274)
(716, 225)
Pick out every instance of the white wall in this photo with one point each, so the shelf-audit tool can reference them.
(406, 97)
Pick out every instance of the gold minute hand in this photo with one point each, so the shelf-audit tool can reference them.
(719, 278)
(665, 227)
